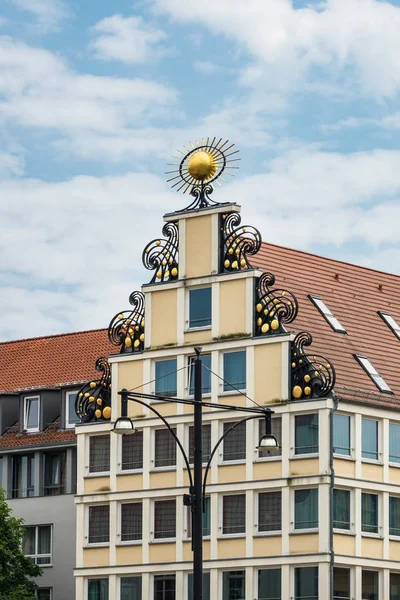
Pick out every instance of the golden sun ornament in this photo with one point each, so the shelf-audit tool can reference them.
(203, 163)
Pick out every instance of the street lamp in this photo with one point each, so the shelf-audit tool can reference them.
(197, 485)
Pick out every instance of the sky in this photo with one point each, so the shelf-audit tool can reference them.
(95, 97)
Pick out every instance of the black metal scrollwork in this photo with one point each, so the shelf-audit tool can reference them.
(201, 194)
(127, 328)
(93, 401)
(274, 307)
(161, 255)
(312, 375)
(237, 243)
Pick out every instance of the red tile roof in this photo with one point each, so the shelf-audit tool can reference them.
(51, 435)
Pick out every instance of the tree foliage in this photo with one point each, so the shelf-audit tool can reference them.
(16, 569)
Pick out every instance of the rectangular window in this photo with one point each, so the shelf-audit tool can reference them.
(306, 434)
(306, 583)
(341, 434)
(164, 519)
(37, 544)
(369, 444)
(370, 585)
(71, 418)
(31, 413)
(23, 476)
(205, 374)
(269, 584)
(164, 587)
(206, 438)
(132, 452)
(206, 518)
(392, 324)
(394, 586)
(54, 473)
(234, 514)
(206, 586)
(235, 442)
(131, 521)
(327, 313)
(99, 524)
(164, 448)
(269, 511)
(200, 307)
(165, 377)
(234, 371)
(276, 430)
(369, 513)
(341, 509)
(98, 589)
(306, 509)
(234, 585)
(99, 453)
(394, 442)
(394, 515)
(373, 373)
(43, 594)
(341, 584)
(131, 588)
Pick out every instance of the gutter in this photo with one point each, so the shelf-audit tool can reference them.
(332, 482)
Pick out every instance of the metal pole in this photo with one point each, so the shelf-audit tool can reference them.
(197, 496)
(124, 403)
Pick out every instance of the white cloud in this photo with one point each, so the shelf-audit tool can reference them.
(389, 122)
(48, 13)
(206, 67)
(11, 164)
(129, 40)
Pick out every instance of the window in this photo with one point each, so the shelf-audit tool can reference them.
(131, 521)
(43, 594)
(369, 513)
(392, 324)
(31, 413)
(306, 583)
(327, 313)
(200, 307)
(394, 515)
(164, 587)
(373, 373)
(394, 442)
(341, 434)
(306, 434)
(99, 454)
(341, 584)
(205, 374)
(341, 509)
(206, 443)
(99, 524)
(98, 589)
(234, 514)
(37, 544)
(234, 585)
(394, 586)
(306, 509)
(269, 584)
(206, 586)
(235, 371)
(131, 588)
(369, 444)
(71, 418)
(132, 452)
(235, 442)
(269, 511)
(276, 430)
(23, 476)
(370, 583)
(206, 518)
(54, 473)
(165, 377)
(164, 448)
(164, 519)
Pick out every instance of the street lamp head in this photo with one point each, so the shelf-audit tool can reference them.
(124, 425)
(268, 442)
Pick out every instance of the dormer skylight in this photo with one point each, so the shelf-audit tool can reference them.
(373, 373)
(327, 313)
(390, 322)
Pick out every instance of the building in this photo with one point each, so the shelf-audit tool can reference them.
(39, 379)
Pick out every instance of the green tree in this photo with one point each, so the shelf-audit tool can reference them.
(16, 569)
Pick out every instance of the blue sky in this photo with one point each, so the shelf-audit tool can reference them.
(96, 96)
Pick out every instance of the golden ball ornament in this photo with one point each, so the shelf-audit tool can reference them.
(128, 342)
(202, 165)
(99, 401)
(91, 398)
(275, 324)
(142, 337)
(293, 365)
(174, 272)
(259, 322)
(92, 384)
(230, 251)
(259, 307)
(243, 262)
(87, 394)
(307, 378)
(158, 242)
(120, 316)
(297, 391)
(107, 412)
(265, 328)
(307, 390)
(227, 264)
(98, 413)
(136, 343)
(235, 264)
(159, 274)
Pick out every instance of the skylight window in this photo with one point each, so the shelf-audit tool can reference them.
(327, 313)
(373, 373)
(392, 324)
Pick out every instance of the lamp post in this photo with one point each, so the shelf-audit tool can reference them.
(197, 485)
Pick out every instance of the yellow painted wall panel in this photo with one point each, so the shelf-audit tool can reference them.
(233, 400)
(344, 544)
(303, 544)
(232, 307)
(96, 557)
(372, 472)
(267, 470)
(163, 479)
(161, 553)
(233, 548)
(129, 555)
(198, 337)
(129, 482)
(306, 466)
(344, 468)
(394, 550)
(394, 475)
(188, 554)
(230, 473)
(186, 477)
(372, 547)
(130, 375)
(97, 484)
(268, 372)
(198, 246)
(165, 408)
(164, 318)
(267, 546)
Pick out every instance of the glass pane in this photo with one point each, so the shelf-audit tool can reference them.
(306, 583)
(72, 417)
(164, 587)
(200, 307)
(341, 434)
(32, 413)
(44, 539)
(269, 584)
(131, 521)
(99, 524)
(98, 589)
(234, 514)
(165, 375)
(205, 374)
(131, 588)
(394, 586)
(369, 513)
(206, 586)
(28, 543)
(394, 516)
(44, 594)
(99, 455)
(306, 509)
(234, 585)
(369, 585)
(369, 447)
(132, 451)
(206, 438)
(269, 511)
(164, 519)
(235, 442)
(341, 583)
(341, 509)
(164, 448)
(394, 442)
(306, 434)
(234, 371)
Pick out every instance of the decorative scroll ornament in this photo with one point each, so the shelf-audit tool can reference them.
(93, 401)
(312, 376)
(162, 255)
(237, 243)
(274, 307)
(127, 328)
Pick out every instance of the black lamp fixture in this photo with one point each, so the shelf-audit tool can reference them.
(268, 441)
(124, 425)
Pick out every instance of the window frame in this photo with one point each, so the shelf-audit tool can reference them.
(188, 524)
(371, 372)
(190, 362)
(120, 541)
(236, 534)
(132, 576)
(189, 426)
(231, 391)
(35, 556)
(378, 459)
(267, 568)
(97, 544)
(160, 575)
(121, 470)
(293, 436)
(395, 536)
(161, 540)
(350, 529)
(294, 596)
(153, 466)
(104, 578)
(329, 316)
(26, 400)
(235, 461)
(369, 570)
(297, 531)
(395, 463)
(90, 473)
(187, 320)
(41, 589)
(159, 399)
(350, 455)
(378, 533)
(233, 570)
(269, 532)
(396, 330)
(69, 393)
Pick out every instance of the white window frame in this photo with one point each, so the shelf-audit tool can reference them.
(294, 456)
(373, 461)
(153, 451)
(31, 429)
(293, 530)
(390, 322)
(326, 312)
(293, 578)
(187, 309)
(153, 539)
(87, 467)
(69, 393)
(350, 531)
(36, 555)
(96, 544)
(122, 471)
(121, 542)
(222, 462)
(153, 377)
(378, 535)
(257, 532)
(350, 456)
(233, 391)
(226, 570)
(221, 534)
(373, 374)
